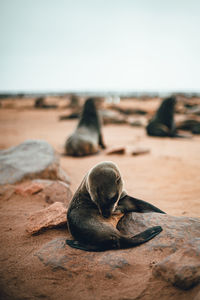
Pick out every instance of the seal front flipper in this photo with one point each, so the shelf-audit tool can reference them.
(77, 245)
(101, 141)
(131, 204)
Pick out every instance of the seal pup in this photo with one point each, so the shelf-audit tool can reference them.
(87, 137)
(162, 124)
(99, 196)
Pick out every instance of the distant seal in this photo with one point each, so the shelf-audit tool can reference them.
(162, 124)
(89, 216)
(87, 137)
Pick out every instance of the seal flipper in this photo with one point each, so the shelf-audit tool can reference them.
(131, 204)
(77, 245)
(148, 234)
(124, 242)
(140, 238)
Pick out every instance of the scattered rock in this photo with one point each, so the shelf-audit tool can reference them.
(29, 160)
(182, 268)
(116, 150)
(140, 151)
(50, 217)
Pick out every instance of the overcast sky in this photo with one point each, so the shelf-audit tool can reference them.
(99, 45)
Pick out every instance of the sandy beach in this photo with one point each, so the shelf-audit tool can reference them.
(168, 177)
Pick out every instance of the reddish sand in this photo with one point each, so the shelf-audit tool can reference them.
(168, 177)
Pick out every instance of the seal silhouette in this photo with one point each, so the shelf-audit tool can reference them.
(99, 197)
(162, 124)
(87, 136)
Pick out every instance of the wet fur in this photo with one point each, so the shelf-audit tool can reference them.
(100, 196)
(87, 137)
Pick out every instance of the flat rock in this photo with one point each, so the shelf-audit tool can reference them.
(116, 266)
(116, 150)
(50, 217)
(139, 151)
(29, 160)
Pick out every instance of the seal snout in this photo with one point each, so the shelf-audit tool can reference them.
(106, 214)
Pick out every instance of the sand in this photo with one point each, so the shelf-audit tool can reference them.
(168, 177)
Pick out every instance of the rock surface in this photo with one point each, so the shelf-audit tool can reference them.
(50, 190)
(55, 191)
(178, 233)
(28, 188)
(29, 160)
(182, 268)
(50, 217)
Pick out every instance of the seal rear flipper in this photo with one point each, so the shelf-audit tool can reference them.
(141, 238)
(157, 129)
(77, 245)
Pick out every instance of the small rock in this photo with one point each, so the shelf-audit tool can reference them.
(50, 217)
(29, 160)
(116, 150)
(182, 268)
(139, 151)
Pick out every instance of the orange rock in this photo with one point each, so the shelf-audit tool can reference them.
(52, 216)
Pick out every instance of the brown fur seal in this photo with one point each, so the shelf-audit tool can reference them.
(87, 137)
(98, 197)
(162, 124)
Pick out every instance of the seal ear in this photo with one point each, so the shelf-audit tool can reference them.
(118, 179)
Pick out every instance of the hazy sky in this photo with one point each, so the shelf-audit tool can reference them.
(99, 44)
